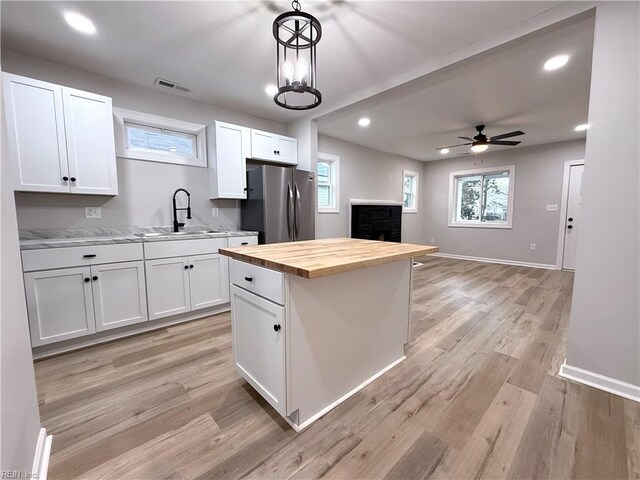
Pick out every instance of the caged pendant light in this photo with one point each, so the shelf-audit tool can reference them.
(297, 33)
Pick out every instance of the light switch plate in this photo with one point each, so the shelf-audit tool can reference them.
(214, 212)
(552, 207)
(92, 212)
(532, 246)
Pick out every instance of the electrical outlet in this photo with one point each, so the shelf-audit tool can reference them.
(433, 240)
(532, 246)
(214, 212)
(92, 212)
(391, 176)
(552, 207)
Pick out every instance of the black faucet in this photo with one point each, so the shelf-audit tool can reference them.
(176, 224)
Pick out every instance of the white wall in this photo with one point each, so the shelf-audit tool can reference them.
(145, 187)
(19, 415)
(604, 330)
(538, 182)
(370, 174)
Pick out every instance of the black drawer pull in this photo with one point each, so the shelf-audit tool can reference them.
(90, 255)
(249, 279)
(244, 243)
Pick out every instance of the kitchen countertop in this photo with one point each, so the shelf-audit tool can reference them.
(317, 258)
(39, 239)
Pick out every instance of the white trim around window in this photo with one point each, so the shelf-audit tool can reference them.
(410, 192)
(480, 173)
(330, 183)
(124, 120)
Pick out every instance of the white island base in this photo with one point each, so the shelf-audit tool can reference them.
(306, 345)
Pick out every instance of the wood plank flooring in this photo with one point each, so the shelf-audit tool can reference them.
(477, 397)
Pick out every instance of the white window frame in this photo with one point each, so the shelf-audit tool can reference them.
(122, 117)
(416, 184)
(334, 184)
(453, 180)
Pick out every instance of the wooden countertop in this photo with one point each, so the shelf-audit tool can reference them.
(317, 258)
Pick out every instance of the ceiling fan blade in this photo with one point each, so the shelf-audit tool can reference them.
(463, 154)
(467, 138)
(503, 142)
(507, 135)
(451, 146)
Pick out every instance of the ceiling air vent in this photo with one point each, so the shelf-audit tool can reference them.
(173, 85)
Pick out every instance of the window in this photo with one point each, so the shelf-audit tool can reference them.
(410, 192)
(328, 186)
(482, 198)
(159, 139)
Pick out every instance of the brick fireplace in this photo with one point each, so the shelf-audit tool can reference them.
(376, 220)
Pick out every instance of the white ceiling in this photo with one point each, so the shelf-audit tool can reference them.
(225, 50)
(506, 90)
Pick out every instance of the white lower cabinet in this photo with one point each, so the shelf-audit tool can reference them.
(182, 284)
(119, 294)
(60, 304)
(258, 344)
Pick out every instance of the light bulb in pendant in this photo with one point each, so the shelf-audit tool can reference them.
(288, 71)
(302, 69)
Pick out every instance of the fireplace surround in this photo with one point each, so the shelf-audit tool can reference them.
(376, 220)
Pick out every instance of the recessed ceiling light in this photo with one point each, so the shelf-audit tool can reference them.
(80, 23)
(479, 148)
(581, 127)
(556, 62)
(271, 90)
(444, 151)
(364, 122)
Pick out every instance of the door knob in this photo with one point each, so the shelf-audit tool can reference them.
(569, 227)
(276, 327)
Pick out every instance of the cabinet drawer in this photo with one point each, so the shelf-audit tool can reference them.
(261, 281)
(49, 258)
(242, 241)
(182, 248)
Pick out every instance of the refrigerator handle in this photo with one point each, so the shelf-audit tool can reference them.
(297, 211)
(289, 209)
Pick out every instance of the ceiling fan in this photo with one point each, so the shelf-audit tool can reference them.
(481, 142)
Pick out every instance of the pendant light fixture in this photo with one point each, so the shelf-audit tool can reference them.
(297, 33)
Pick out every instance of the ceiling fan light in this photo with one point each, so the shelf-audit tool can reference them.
(481, 147)
(444, 151)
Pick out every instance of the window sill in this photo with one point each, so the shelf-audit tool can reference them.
(328, 210)
(409, 211)
(503, 226)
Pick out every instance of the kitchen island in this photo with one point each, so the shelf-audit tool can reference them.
(313, 322)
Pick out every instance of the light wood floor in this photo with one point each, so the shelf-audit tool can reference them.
(477, 397)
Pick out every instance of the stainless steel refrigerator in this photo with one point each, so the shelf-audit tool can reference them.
(280, 204)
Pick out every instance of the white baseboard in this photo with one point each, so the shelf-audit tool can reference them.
(41, 457)
(496, 260)
(608, 384)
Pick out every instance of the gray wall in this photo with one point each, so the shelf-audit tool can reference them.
(604, 329)
(369, 174)
(538, 182)
(145, 187)
(19, 416)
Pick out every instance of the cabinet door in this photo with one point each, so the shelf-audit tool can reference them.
(60, 304)
(228, 167)
(119, 294)
(258, 344)
(35, 134)
(90, 142)
(208, 281)
(287, 150)
(167, 287)
(263, 145)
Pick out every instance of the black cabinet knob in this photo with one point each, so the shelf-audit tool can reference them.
(73, 179)
(569, 227)
(570, 219)
(186, 267)
(249, 279)
(190, 266)
(275, 152)
(86, 280)
(65, 178)
(94, 278)
(278, 152)
(276, 327)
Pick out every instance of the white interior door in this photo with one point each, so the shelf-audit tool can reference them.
(258, 344)
(36, 137)
(572, 220)
(119, 294)
(167, 287)
(60, 304)
(208, 282)
(90, 142)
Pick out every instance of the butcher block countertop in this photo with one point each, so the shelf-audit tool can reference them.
(317, 258)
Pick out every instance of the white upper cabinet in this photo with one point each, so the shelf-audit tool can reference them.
(229, 146)
(273, 147)
(59, 139)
